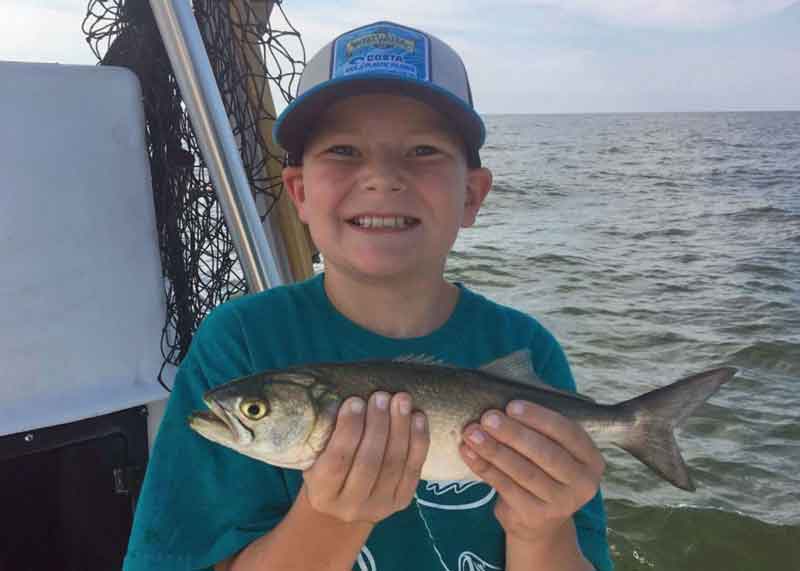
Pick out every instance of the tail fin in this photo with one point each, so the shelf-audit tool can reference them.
(657, 413)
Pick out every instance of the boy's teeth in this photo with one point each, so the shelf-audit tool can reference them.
(382, 221)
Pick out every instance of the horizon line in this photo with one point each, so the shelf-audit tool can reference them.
(665, 112)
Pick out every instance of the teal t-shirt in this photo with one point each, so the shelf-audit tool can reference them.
(201, 502)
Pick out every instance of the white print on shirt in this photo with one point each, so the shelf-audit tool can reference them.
(443, 486)
(365, 561)
(454, 494)
(468, 561)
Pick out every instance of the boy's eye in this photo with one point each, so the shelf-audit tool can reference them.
(343, 150)
(424, 150)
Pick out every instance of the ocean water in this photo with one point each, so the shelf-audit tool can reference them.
(655, 246)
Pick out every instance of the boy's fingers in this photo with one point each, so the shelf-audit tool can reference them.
(333, 465)
(500, 481)
(419, 442)
(368, 459)
(566, 433)
(523, 469)
(521, 445)
(394, 460)
(539, 464)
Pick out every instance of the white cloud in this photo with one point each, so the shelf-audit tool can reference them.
(558, 58)
(320, 23)
(697, 78)
(523, 61)
(668, 13)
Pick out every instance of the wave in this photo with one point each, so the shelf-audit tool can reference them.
(600, 311)
(767, 286)
(760, 269)
(649, 176)
(678, 538)
(756, 178)
(667, 232)
(501, 188)
(786, 146)
(755, 214)
(685, 258)
(763, 173)
(759, 212)
(558, 261)
(782, 357)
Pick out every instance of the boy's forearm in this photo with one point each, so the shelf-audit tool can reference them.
(557, 553)
(305, 540)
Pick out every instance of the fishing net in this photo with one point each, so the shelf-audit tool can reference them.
(252, 47)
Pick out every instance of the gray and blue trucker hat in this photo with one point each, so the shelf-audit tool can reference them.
(383, 58)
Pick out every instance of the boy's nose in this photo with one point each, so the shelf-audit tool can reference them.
(394, 186)
(384, 175)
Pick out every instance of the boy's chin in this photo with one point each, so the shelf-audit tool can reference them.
(392, 271)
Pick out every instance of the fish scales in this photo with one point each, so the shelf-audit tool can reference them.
(453, 398)
(285, 417)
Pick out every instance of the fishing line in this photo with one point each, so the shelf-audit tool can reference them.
(430, 533)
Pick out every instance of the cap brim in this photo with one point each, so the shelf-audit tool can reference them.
(298, 120)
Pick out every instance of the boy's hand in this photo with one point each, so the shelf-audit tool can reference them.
(543, 466)
(372, 462)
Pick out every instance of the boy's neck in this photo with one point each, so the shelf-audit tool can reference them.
(393, 308)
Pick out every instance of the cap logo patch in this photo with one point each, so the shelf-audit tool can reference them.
(381, 49)
(381, 40)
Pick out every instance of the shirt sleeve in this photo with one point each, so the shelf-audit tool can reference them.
(591, 520)
(201, 502)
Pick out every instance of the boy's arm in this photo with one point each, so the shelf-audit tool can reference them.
(305, 539)
(369, 470)
(561, 551)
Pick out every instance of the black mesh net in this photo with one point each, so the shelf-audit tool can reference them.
(252, 47)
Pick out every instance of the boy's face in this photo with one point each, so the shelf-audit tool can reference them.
(385, 188)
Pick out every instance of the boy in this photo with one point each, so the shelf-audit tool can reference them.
(384, 167)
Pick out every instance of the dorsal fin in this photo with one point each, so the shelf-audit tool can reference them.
(517, 367)
(421, 360)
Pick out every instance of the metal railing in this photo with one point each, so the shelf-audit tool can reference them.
(259, 256)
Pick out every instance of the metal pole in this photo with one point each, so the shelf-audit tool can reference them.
(192, 69)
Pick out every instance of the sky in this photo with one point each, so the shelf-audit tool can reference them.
(536, 56)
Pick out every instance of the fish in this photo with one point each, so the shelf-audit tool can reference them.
(285, 417)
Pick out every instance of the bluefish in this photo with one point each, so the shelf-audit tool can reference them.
(285, 417)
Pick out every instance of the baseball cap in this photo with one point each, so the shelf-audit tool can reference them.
(383, 57)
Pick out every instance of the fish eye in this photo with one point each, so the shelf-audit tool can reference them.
(254, 409)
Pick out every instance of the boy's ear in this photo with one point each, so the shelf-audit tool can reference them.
(479, 183)
(293, 184)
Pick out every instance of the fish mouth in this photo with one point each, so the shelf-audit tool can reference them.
(219, 424)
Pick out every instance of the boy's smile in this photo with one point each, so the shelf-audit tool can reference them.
(385, 187)
(379, 222)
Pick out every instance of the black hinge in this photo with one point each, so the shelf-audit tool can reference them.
(128, 480)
